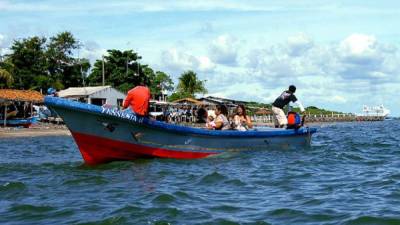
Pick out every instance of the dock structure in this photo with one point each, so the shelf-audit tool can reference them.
(345, 117)
(324, 118)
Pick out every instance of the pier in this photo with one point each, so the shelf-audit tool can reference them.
(323, 118)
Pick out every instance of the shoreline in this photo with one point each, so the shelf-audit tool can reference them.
(36, 130)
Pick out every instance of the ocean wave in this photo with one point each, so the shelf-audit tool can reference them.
(348, 176)
(372, 220)
(212, 178)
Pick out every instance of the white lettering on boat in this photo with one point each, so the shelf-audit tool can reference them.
(121, 114)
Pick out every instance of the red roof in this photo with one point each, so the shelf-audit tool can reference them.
(21, 95)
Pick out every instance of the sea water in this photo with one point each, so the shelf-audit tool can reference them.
(350, 175)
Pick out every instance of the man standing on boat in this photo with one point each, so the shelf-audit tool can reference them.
(138, 100)
(284, 99)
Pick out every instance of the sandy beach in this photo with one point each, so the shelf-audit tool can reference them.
(41, 129)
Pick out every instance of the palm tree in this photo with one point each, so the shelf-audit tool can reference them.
(190, 85)
(6, 78)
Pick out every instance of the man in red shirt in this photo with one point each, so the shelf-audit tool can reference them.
(138, 99)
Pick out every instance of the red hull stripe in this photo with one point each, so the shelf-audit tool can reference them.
(97, 150)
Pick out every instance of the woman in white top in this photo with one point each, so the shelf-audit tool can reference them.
(221, 121)
(241, 121)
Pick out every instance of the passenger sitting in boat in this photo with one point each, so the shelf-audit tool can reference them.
(210, 124)
(138, 100)
(221, 121)
(211, 112)
(241, 121)
(201, 115)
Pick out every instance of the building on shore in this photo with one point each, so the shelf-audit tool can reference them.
(99, 95)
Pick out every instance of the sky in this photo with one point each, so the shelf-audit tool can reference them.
(341, 55)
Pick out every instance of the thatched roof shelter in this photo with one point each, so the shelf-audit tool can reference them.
(188, 101)
(263, 111)
(211, 100)
(21, 95)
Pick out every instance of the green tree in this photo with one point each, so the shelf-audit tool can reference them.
(189, 84)
(160, 82)
(74, 75)
(121, 68)
(62, 66)
(6, 74)
(41, 82)
(38, 64)
(178, 95)
(29, 60)
(6, 79)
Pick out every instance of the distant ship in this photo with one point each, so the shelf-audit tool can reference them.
(375, 111)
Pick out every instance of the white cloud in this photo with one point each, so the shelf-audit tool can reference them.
(249, 91)
(2, 38)
(341, 75)
(205, 64)
(359, 45)
(325, 74)
(121, 6)
(224, 50)
(357, 57)
(4, 48)
(92, 50)
(91, 46)
(179, 61)
(361, 56)
(338, 99)
(136, 6)
(360, 49)
(18, 6)
(298, 44)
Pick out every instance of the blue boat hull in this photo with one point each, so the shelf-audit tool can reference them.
(20, 122)
(104, 135)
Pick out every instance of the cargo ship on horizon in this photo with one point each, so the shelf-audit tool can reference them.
(374, 112)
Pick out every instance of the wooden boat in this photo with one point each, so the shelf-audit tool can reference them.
(104, 135)
(17, 122)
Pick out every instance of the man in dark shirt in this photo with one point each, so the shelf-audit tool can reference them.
(284, 99)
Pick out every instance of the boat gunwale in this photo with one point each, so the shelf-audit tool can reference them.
(57, 102)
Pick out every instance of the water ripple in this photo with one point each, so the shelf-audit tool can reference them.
(350, 175)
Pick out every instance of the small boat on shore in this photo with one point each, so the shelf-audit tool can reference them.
(19, 122)
(105, 134)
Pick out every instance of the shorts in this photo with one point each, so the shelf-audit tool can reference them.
(129, 111)
(279, 116)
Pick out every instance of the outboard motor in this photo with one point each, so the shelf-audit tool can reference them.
(294, 120)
